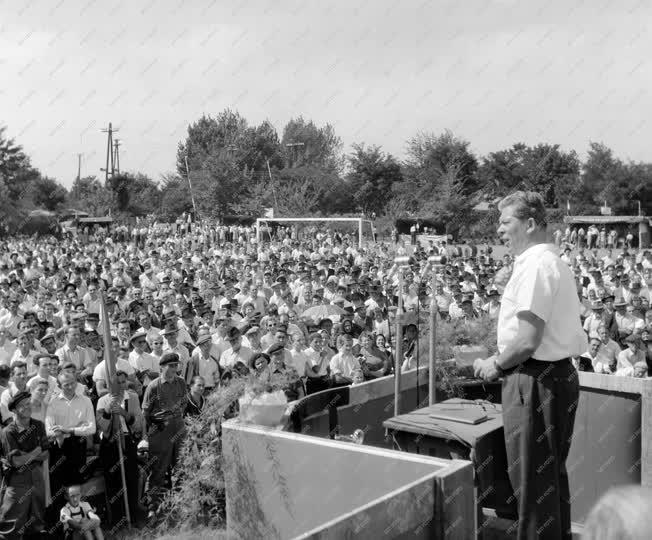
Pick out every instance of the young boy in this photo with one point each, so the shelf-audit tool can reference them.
(79, 518)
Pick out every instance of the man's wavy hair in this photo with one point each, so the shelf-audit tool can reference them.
(526, 205)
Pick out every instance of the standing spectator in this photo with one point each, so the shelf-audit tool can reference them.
(68, 422)
(17, 384)
(73, 352)
(25, 448)
(164, 403)
(119, 412)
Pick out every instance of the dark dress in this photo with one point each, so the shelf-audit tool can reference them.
(192, 408)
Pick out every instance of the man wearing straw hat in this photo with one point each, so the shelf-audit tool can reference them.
(539, 330)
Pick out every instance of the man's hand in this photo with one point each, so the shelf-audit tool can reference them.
(486, 369)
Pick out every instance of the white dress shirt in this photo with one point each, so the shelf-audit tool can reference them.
(542, 284)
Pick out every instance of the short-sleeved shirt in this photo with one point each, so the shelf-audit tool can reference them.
(230, 358)
(344, 364)
(165, 396)
(542, 284)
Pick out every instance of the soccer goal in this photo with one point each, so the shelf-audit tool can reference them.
(363, 228)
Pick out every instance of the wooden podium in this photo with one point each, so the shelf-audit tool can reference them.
(483, 444)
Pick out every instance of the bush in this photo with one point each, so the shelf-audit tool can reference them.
(197, 499)
(451, 334)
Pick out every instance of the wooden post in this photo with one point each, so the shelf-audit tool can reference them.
(435, 262)
(400, 262)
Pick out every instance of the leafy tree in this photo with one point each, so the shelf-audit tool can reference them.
(258, 146)
(431, 156)
(90, 195)
(371, 178)
(220, 184)
(336, 196)
(325, 192)
(297, 198)
(319, 146)
(209, 137)
(604, 176)
(136, 193)
(641, 188)
(174, 197)
(447, 200)
(258, 195)
(48, 193)
(541, 168)
(15, 168)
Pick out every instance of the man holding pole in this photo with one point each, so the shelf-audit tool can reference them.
(118, 409)
(120, 422)
(538, 331)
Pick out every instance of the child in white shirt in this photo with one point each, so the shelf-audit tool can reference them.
(79, 518)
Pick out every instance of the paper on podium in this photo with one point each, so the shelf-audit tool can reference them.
(466, 415)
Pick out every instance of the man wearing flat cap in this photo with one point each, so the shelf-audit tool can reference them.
(163, 406)
(25, 447)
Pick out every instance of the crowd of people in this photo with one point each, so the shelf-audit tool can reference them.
(191, 306)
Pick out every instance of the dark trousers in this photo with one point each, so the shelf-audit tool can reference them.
(539, 402)
(110, 459)
(67, 467)
(317, 384)
(164, 447)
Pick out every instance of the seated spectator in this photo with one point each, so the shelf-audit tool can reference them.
(196, 398)
(374, 362)
(622, 513)
(79, 518)
(236, 352)
(589, 361)
(259, 363)
(631, 356)
(344, 362)
(203, 363)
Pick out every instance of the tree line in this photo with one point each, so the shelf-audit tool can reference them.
(238, 168)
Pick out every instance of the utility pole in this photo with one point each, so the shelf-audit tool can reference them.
(109, 170)
(116, 155)
(295, 147)
(192, 196)
(271, 181)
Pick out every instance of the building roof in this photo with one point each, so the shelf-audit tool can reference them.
(598, 220)
(105, 219)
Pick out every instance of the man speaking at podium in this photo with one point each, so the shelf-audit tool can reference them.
(538, 331)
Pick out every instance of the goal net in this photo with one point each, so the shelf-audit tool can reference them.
(268, 229)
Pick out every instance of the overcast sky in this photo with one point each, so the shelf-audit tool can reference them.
(495, 72)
